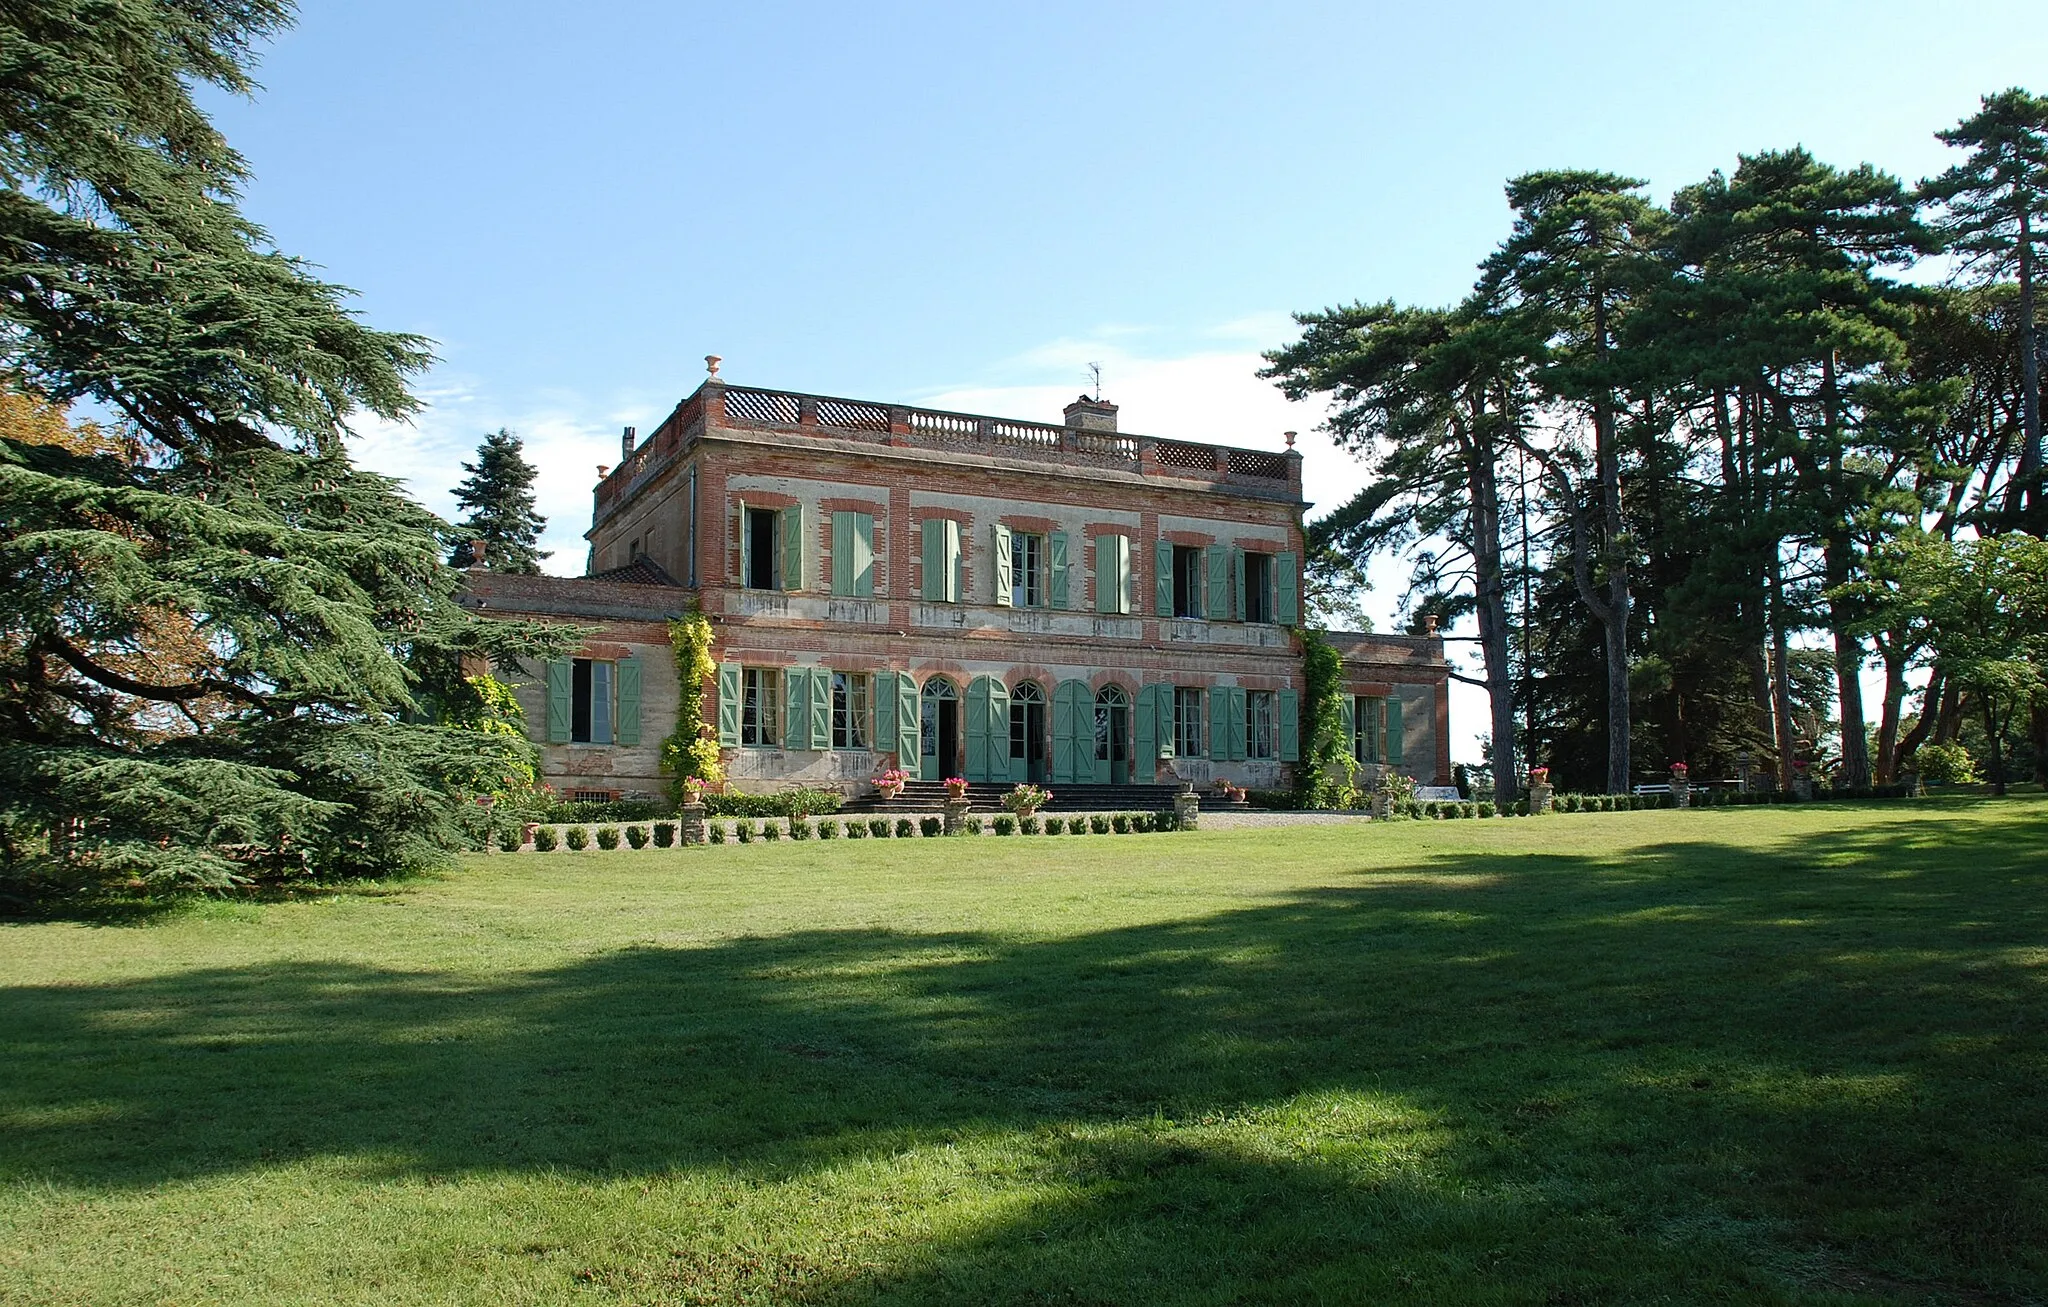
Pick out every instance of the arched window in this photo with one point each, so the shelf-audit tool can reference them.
(1113, 727)
(937, 690)
(1027, 692)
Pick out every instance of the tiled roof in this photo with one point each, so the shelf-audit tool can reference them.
(641, 571)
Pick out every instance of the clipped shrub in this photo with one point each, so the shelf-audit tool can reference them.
(544, 840)
(858, 830)
(714, 831)
(878, 827)
(607, 837)
(1077, 825)
(578, 838)
(1026, 826)
(829, 829)
(930, 827)
(1120, 823)
(1099, 824)
(509, 841)
(664, 834)
(972, 825)
(744, 830)
(1055, 826)
(799, 802)
(1004, 824)
(905, 828)
(636, 836)
(1166, 819)
(1485, 808)
(1521, 807)
(1141, 823)
(799, 829)
(771, 830)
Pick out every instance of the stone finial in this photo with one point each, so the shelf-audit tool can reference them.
(1429, 624)
(476, 555)
(711, 362)
(1290, 437)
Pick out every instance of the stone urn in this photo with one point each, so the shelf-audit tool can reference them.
(1539, 790)
(1681, 785)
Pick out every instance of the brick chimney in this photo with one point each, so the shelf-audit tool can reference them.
(1086, 414)
(626, 445)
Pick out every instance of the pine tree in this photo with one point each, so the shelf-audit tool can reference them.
(1993, 210)
(225, 652)
(498, 495)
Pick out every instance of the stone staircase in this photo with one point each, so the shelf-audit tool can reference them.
(930, 796)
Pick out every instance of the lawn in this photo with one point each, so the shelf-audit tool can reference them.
(1758, 1055)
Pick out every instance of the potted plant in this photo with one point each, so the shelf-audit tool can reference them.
(1025, 799)
(956, 787)
(890, 783)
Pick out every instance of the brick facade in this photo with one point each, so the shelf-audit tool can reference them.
(1057, 496)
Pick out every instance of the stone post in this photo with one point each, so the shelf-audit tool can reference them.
(1802, 784)
(1681, 787)
(1539, 797)
(956, 814)
(690, 827)
(1745, 761)
(1187, 807)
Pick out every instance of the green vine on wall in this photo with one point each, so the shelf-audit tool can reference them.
(1326, 775)
(691, 750)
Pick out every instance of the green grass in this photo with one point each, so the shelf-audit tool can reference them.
(1749, 1055)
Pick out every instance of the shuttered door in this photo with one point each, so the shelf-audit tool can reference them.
(821, 708)
(1073, 733)
(977, 729)
(906, 721)
(1056, 568)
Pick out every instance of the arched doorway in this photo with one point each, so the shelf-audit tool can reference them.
(938, 750)
(1113, 736)
(1027, 733)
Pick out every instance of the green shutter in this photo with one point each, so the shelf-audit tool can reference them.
(793, 547)
(1347, 717)
(1073, 733)
(796, 722)
(627, 728)
(1290, 726)
(1237, 592)
(746, 545)
(977, 729)
(729, 705)
(932, 548)
(1146, 729)
(864, 555)
(1392, 752)
(906, 720)
(1216, 603)
(821, 707)
(1286, 608)
(561, 710)
(1162, 577)
(1056, 564)
(1113, 574)
(885, 712)
(1240, 727)
(1004, 579)
(842, 553)
(1219, 723)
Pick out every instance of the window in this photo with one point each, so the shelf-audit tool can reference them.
(762, 563)
(1187, 721)
(849, 710)
(761, 707)
(1258, 587)
(1112, 574)
(1366, 716)
(853, 555)
(590, 689)
(1027, 570)
(1187, 581)
(1260, 739)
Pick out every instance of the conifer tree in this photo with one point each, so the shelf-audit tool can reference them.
(224, 651)
(498, 495)
(1993, 211)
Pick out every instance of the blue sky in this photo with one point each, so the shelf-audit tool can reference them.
(964, 204)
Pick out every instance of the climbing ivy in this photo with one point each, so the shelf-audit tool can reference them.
(691, 750)
(1326, 775)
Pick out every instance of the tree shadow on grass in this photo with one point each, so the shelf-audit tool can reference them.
(1492, 1078)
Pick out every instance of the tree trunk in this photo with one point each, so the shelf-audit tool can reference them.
(2028, 476)
(1781, 677)
(1888, 719)
(1839, 564)
(1492, 602)
(1991, 733)
(1948, 724)
(1930, 712)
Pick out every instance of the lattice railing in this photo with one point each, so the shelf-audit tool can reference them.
(1253, 463)
(1193, 458)
(761, 406)
(851, 415)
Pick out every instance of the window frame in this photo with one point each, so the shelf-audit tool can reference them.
(1257, 600)
(1030, 558)
(1190, 578)
(852, 706)
(585, 722)
(1261, 739)
(1188, 722)
(761, 707)
(750, 552)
